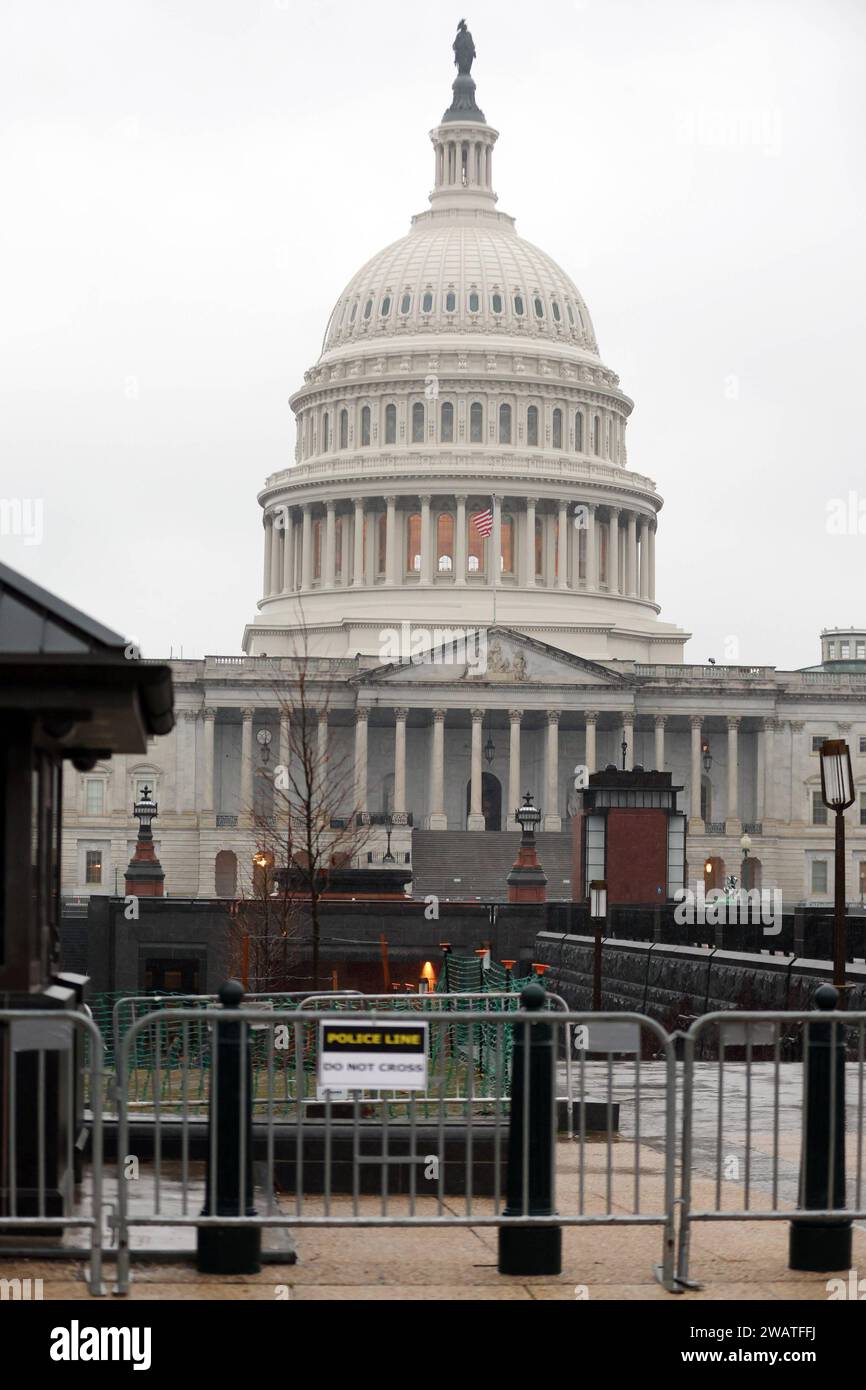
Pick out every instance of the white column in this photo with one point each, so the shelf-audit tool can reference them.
(772, 727)
(426, 542)
(631, 556)
(400, 760)
(207, 790)
(644, 558)
(358, 541)
(496, 544)
(652, 563)
(696, 824)
(660, 721)
(628, 738)
(306, 547)
(288, 550)
(391, 570)
(187, 797)
(552, 818)
(562, 547)
(613, 551)
(530, 542)
(438, 820)
(460, 541)
(761, 770)
(285, 747)
(321, 764)
(514, 798)
(246, 799)
(591, 581)
(476, 818)
(733, 824)
(330, 543)
(269, 544)
(361, 760)
(591, 718)
(277, 542)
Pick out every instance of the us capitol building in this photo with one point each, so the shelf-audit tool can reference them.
(462, 561)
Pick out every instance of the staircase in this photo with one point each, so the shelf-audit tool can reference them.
(470, 864)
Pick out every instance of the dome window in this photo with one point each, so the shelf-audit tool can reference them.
(578, 432)
(413, 543)
(326, 432)
(418, 423)
(445, 542)
(405, 303)
(539, 307)
(496, 303)
(450, 302)
(368, 308)
(386, 307)
(474, 302)
(557, 428)
(532, 425)
(344, 429)
(390, 424)
(476, 423)
(365, 427)
(518, 305)
(446, 423)
(556, 313)
(505, 424)
(596, 435)
(427, 302)
(354, 313)
(570, 313)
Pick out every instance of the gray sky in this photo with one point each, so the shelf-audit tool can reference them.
(188, 186)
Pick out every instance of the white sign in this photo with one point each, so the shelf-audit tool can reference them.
(606, 1037)
(372, 1056)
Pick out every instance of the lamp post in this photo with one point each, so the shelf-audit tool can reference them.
(837, 793)
(527, 882)
(746, 847)
(598, 915)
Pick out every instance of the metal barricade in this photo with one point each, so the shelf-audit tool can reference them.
(391, 1166)
(740, 1116)
(41, 1130)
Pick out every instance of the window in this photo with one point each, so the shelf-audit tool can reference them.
(863, 808)
(518, 305)
(450, 302)
(427, 302)
(496, 303)
(365, 427)
(445, 542)
(570, 313)
(820, 876)
(354, 313)
(863, 745)
(446, 423)
(140, 784)
(539, 307)
(845, 650)
(532, 425)
(506, 561)
(338, 547)
(326, 432)
(385, 307)
(596, 435)
(819, 810)
(475, 549)
(94, 799)
(344, 429)
(505, 424)
(476, 423)
(474, 302)
(413, 543)
(557, 428)
(381, 542)
(405, 303)
(831, 651)
(578, 432)
(390, 424)
(556, 313)
(418, 423)
(539, 547)
(93, 866)
(817, 740)
(368, 308)
(317, 549)
(861, 651)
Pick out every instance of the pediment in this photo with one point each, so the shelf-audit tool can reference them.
(443, 655)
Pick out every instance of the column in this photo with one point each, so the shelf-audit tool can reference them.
(284, 750)
(288, 550)
(358, 541)
(562, 547)
(400, 759)
(530, 541)
(771, 727)
(361, 760)
(268, 523)
(644, 558)
(246, 798)
(306, 548)
(496, 544)
(277, 543)
(426, 542)
(207, 791)
(437, 819)
(660, 721)
(552, 818)
(391, 541)
(460, 541)
(631, 556)
(733, 824)
(330, 543)
(696, 824)
(186, 800)
(476, 817)
(591, 718)
(760, 770)
(613, 551)
(652, 563)
(628, 738)
(591, 577)
(514, 797)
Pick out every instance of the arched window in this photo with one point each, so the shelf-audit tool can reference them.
(556, 314)
(612, 438)
(476, 423)
(474, 302)
(418, 423)
(539, 547)
(557, 428)
(475, 549)
(427, 302)
(405, 303)
(506, 558)
(570, 314)
(539, 307)
(505, 424)
(518, 306)
(413, 543)
(596, 435)
(354, 313)
(338, 547)
(445, 543)
(344, 429)
(226, 874)
(317, 549)
(446, 423)
(381, 542)
(385, 307)
(450, 302)
(532, 425)
(368, 309)
(365, 427)
(390, 424)
(496, 303)
(578, 432)
(326, 432)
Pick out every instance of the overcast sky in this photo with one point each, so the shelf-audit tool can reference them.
(187, 187)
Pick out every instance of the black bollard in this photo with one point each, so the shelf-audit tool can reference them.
(230, 1249)
(531, 1249)
(823, 1245)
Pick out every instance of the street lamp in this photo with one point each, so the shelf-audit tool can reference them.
(708, 757)
(528, 817)
(598, 915)
(837, 793)
(745, 846)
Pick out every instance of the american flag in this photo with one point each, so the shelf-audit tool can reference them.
(483, 522)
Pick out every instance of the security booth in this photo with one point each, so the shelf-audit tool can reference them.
(72, 691)
(629, 833)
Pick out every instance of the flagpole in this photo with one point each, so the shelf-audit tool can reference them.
(496, 558)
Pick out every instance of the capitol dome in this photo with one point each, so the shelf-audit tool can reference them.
(461, 448)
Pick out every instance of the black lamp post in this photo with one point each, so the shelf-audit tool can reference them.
(598, 915)
(837, 793)
(528, 817)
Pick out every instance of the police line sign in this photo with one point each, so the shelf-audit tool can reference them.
(372, 1056)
